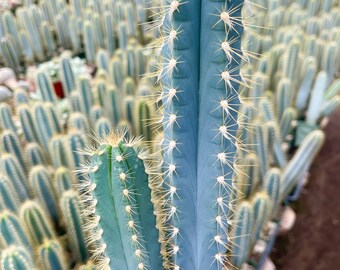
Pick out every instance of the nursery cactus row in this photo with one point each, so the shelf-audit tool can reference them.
(178, 153)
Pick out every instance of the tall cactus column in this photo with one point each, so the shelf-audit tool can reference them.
(221, 32)
(200, 82)
(180, 82)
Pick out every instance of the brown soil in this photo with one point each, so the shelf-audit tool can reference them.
(314, 241)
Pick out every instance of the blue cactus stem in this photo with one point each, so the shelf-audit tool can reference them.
(48, 39)
(9, 198)
(241, 234)
(113, 105)
(9, 54)
(95, 114)
(128, 213)
(11, 167)
(34, 155)
(79, 122)
(75, 102)
(85, 94)
(11, 231)
(301, 161)
(261, 211)
(37, 224)
(109, 33)
(272, 185)
(58, 151)
(103, 127)
(89, 42)
(27, 123)
(286, 123)
(44, 123)
(46, 87)
(75, 143)
(117, 71)
(63, 180)
(20, 96)
(6, 117)
(52, 255)
(102, 60)
(41, 182)
(10, 144)
(16, 258)
(67, 75)
(71, 210)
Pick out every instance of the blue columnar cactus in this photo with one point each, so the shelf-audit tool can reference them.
(46, 87)
(34, 155)
(14, 258)
(63, 180)
(197, 207)
(59, 155)
(71, 210)
(122, 207)
(37, 224)
(261, 210)
(11, 231)
(11, 167)
(27, 123)
(52, 255)
(41, 182)
(6, 117)
(67, 75)
(8, 195)
(272, 184)
(241, 234)
(85, 95)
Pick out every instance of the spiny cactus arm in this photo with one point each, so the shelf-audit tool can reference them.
(9, 53)
(113, 105)
(143, 119)
(96, 113)
(316, 99)
(48, 38)
(135, 160)
(274, 139)
(330, 106)
(40, 181)
(103, 127)
(79, 122)
(332, 90)
(10, 144)
(86, 95)
(249, 179)
(109, 33)
(9, 198)
(63, 180)
(241, 233)
(71, 210)
(36, 222)
(20, 96)
(220, 45)
(302, 159)
(10, 166)
(34, 155)
(67, 75)
(11, 231)
(52, 256)
(272, 185)
(309, 71)
(75, 142)
(105, 222)
(88, 266)
(283, 96)
(179, 79)
(58, 151)
(89, 42)
(45, 85)
(261, 210)
(6, 117)
(16, 258)
(27, 123)
(286, 123)
(27, 48)
(261, 147)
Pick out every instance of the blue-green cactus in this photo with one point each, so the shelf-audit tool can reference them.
(144, 112)
(113, 105)
(241, 233)
(6, 117)
(272, 185)
(34, 155)
(47, 37)
(40, 180)
(79, 122)
(9, 54)
(20, 96)
(9, 198)
(302, 159)
(71, 210)
(27, 123)
(67, 75)
(89, 42)
(123, 207)
(46, 87)
(16, 258)
(103, 127)
(116, 71)
(11, 167)
(10, 144)
(11, 231)
(63, 180)
(102, 60)
(52, 255)
(95, 114)
(75, 142)
(37, 224)
(287, 121)
(85, 94)
(110, 34)
(261, 210)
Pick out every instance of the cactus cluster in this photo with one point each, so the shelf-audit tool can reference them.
(38, 30)
(240, 85)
